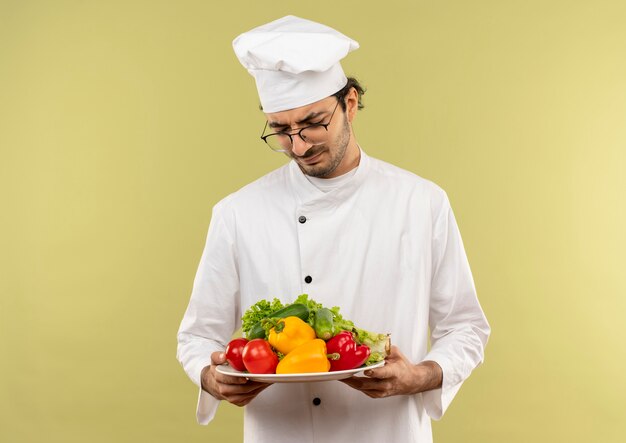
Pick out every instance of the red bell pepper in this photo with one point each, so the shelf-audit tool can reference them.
(351, 355)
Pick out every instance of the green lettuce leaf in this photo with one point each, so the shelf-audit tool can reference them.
(258, 312)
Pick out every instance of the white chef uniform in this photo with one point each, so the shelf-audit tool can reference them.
(385, 247)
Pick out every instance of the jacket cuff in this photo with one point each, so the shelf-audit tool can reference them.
(196, 371)
(207, 406)
(436, 401)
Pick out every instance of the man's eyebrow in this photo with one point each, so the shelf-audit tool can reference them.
(309, 117)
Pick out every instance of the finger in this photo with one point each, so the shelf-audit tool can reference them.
(251, 385)
(371, 389)
(395, 354)
(243, 402)
(365, 383)
(352, 382)
(260, 389)
(386, 371)
(244, 399)
(218, 358)
(235, 380)
(361, 383)
(239, 399)
(229, 379)
(226, 389)
(257, 384)
(375, 393)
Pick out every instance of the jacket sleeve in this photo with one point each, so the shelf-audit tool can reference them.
(459, 329)
(212, 314)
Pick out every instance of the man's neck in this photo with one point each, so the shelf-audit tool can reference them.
(350, 160)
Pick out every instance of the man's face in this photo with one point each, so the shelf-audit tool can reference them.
(319, 160)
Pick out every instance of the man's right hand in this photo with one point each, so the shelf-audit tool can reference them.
(236, 390)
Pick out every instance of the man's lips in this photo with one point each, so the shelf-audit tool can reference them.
(312, 159)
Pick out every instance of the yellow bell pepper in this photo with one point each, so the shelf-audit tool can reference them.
(289, 333)
(308, 357)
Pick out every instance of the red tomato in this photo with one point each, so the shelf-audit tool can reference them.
(259, 358)
(233, 353)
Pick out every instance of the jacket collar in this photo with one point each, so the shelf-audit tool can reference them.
(309, 196)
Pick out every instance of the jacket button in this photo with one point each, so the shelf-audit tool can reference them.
(302, 219)
(308, 279)
(317, 401)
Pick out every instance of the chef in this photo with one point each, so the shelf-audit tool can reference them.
(347, 229)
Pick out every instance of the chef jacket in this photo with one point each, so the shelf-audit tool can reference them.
(385, 248)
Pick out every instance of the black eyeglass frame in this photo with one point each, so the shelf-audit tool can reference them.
(298, 132)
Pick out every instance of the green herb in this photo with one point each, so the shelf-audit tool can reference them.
(257, 312)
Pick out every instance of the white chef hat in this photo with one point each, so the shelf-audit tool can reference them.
(294, 61)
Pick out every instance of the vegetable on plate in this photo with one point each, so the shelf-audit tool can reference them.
(351, 355)
(308, 357)
(234, 352)
(302, 337)
(258, 357)
(253, 318)
(289, 333)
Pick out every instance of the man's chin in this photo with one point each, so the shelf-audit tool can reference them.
(317, 170)
(321, 168)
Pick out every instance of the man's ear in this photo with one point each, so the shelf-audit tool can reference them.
(352, 103)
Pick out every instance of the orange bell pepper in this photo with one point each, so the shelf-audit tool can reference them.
(308, 357)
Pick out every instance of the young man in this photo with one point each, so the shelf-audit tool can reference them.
(350, 230)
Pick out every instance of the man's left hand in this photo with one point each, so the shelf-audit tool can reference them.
(398, 377)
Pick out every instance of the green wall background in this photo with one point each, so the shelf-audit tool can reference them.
(123, 122)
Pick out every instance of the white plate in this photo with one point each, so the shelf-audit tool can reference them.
(297, 378)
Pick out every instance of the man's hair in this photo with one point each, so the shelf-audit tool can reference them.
(343, 92)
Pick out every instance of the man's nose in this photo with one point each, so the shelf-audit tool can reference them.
(299, 146)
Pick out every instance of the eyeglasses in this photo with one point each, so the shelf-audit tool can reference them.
(315, 134)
